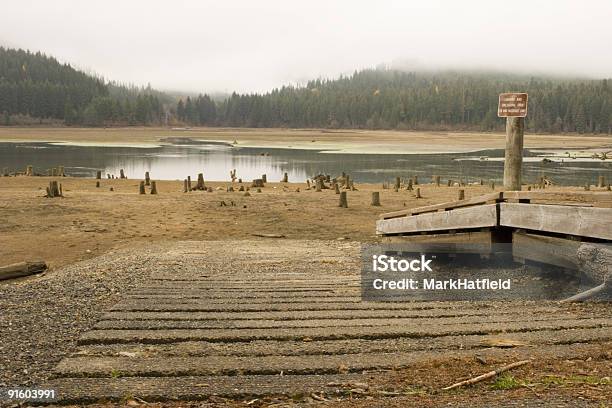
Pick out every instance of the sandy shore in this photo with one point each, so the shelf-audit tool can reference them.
(341, 141)
(91, 221)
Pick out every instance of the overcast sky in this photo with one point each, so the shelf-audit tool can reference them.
(256, 45)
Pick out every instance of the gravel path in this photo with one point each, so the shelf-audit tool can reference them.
(42, 316)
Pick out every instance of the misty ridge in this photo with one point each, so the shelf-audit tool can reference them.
(37, 89)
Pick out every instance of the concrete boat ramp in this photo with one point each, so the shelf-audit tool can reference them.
(284, 318)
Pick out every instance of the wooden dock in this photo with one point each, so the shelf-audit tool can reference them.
(546, 227)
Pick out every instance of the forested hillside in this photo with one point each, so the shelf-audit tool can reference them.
(34, 87)
(386, 99)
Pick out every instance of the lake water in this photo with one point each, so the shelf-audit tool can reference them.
(176, 162)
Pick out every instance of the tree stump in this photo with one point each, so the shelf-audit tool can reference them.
(53, 172)
(185, 186)
(264, 178)
(147, 179)
(409, 187)
(153, 188)
(601, 182)
(337, 188)
(461, 195)
(108, 176)
(99, 175)
(200, 185)
(60, 171)
(318, 185)
(343, 201)
(189, 183)
(258, 183)
(492, 185)
(141, 188)
(449, 183)
(347, 181)
(415, 180)
(121, 174)
(97, 184)
(307, 184)
(376, 198)
(436, 180)
(418, 192)
(398, 182)
(54, 189)
(587, 187)
(29, 170)
(285, 178)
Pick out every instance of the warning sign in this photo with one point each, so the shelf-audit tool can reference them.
(512, 104)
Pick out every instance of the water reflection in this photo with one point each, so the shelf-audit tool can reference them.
(215, 161)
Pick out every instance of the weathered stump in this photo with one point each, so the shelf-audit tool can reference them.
(415, 180)
(318, 185)
(185, 186)
(60, 171)
(189, 183)
(264, 178)
(343, 201)
(398, 182)
(153, 187)
(461, 195)
(449, 183)
(492, 185)
(200, 185)
(409, 187)
(601, 182)
(147, 179)
(376, 198)
(337, 188)
(108, 176)
(587, 187)
(54, 189)
(258, 183)
(436, 180)
(29, 170)
(97, 184)
(418, 192)
(141, 188)
(121, 174)
(99, 175)
(285, 178)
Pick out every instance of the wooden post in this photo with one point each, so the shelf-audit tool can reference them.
(492, 185)
(376, 198)
(436, 181)
(318, 184)
(397, 183)
(418, 192)
(200, 185)
(97, 184)
(185, 187)
(99, 175)
(108, 176)
(415, 180)
(141, 188)
(513, 162)
(147, 179)
(449, 183)
(347, 181)
(265, 178)
(60, 171)
(153, 188)
(121, 174)
(337, 188)
(343, 201)
(285, 178)
(409, 188)
(189, 183)
(461, 195)
(587, 187)
(30, 170)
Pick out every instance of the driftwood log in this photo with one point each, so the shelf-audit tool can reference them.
(22, 269)
(485, 376)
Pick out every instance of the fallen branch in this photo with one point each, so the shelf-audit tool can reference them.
(269, 235)
(490, 374)
(587, 294)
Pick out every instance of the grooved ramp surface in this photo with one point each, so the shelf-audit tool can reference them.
(252, 319)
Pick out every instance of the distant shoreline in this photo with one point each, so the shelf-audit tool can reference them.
(332, 141)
